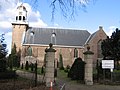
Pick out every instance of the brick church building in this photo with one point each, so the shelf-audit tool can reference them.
(70, 43)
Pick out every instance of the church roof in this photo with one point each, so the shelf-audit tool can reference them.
(91, 36)
(94, 34)
(65, 37)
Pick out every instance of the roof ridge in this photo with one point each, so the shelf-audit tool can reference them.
(59, 28)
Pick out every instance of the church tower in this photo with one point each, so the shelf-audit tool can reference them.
(19, 27)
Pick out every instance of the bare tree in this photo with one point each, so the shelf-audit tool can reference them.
(67, 7)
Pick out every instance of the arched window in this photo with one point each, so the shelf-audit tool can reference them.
(99, 50)
(75, 53)
(20, 18)
(23, 18)
(32, 37)
(53, 38)
(16, 17)
(29, 51)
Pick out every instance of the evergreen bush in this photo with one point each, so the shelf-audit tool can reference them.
(26, 65)
(22, 66)
(67, 68)
(61, 62)
(2, 65)
(14, 58)
(99, 71)
(32, 66)
(8, 74)
(77, 70)
(42, 70)
(116, 75)
(55, 73)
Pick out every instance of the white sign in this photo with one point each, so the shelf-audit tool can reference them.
(107, 64)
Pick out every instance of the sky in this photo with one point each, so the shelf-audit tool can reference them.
(97, 13)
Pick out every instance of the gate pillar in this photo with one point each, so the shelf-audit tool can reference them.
(49, 66)
(88, 66)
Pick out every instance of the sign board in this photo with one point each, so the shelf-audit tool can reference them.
(107, 64)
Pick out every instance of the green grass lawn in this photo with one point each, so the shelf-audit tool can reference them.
(61, 74)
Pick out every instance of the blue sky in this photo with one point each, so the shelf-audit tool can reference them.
(99, 13)
(102, 12)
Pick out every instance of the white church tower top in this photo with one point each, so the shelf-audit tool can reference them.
(21, 15)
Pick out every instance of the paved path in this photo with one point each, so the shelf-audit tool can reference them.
(70, 85)
(94, 87)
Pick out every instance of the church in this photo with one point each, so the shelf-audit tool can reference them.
(70, 43)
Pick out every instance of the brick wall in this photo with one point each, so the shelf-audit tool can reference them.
(93, 43)
(39, 52)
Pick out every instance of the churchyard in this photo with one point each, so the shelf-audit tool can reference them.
(21, 83)
(31, 77)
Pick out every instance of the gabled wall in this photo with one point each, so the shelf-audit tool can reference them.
(94, 43)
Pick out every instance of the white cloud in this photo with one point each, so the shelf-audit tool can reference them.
(8, 41)
(8, 12)
(5, 24)
(39, 23)
(83, 2)
(36, 22)
(7, 15)
(111, 30)
(56, 25)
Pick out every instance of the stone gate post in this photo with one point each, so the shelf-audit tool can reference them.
(88, 66)
(49, 68)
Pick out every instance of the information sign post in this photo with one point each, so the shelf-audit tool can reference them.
(108, 64)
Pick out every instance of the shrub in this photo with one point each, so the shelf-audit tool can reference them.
(22, 66)
(116, 75)
(8, 74)
(77, 70)
(55, 73)
(2, 65)
(67, 68)
(99, 71)
(42, 70)
(32, 66)
(61, 62)
(26, 65)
